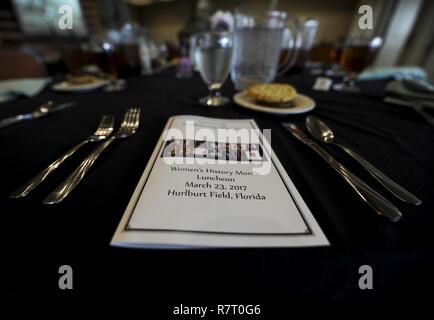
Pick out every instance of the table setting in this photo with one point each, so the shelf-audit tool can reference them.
(351, 178)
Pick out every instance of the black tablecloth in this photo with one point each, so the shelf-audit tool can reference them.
(39, 238)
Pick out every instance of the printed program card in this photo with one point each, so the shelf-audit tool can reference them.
(216, 183)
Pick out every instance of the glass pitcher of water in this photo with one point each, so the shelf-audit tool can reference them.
(258, 44)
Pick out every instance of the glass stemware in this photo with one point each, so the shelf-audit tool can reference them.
(356, 55)
(213, 54)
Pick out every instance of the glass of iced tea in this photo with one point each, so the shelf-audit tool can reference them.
(101, 52)
(357, 54)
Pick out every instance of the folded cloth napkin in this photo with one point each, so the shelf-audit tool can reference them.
(380, 73)
(29, 87)
(421, 91)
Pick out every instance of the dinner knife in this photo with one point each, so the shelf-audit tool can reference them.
(42, 111)
(376, 201)
(418, 107)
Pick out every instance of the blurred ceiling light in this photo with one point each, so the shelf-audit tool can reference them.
(376, 42)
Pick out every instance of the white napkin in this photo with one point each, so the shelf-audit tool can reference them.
(28, 87)
(398, 73)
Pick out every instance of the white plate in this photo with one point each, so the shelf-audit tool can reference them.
(67, 87)
(302, 104)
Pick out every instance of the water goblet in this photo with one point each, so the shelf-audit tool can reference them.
(213, 54)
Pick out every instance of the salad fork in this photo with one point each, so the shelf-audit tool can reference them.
(128, 127)
(103, 131)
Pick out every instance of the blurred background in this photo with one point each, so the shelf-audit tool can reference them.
(139, 37)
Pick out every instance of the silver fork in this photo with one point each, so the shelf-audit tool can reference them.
(103, 131)
(128, 127)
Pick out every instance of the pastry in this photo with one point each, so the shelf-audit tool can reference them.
(82, 79)
(272, 93)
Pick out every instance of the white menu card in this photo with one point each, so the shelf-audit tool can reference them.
(216, 183)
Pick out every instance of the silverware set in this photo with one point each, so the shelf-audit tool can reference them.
(104, 131)
(321, 132)
(103, 134)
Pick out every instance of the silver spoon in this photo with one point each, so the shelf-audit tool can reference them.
(322, 132)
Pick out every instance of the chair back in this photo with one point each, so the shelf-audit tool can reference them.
(21, 63)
